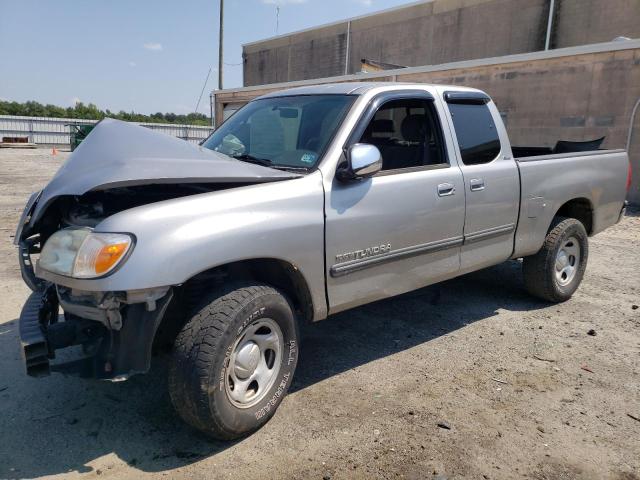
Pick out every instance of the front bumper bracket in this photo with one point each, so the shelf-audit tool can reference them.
(35, 350)
(106, 353)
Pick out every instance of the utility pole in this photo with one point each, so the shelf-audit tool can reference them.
(220, 45)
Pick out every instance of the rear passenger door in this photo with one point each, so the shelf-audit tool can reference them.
(402, 228)
(491, 179)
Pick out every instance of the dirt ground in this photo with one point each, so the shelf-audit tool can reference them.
(521, 387)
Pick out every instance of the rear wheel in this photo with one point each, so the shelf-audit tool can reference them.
(555, 272)
(234, 360)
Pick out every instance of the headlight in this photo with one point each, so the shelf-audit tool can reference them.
(81, 253)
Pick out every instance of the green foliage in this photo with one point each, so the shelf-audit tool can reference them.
(92, 112)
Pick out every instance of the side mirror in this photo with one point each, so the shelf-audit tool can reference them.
(363, 161)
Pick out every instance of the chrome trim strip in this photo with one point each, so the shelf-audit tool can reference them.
(345, 268)
(351, 266)
(489, 233)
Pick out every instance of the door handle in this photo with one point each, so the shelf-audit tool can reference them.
(446, 189)
(476, 184)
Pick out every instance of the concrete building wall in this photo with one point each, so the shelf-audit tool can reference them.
(439, 32)
(578, 93)
(579, 22)
(581, 97)
(435, 32)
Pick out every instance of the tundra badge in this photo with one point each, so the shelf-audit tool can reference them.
(367, 252)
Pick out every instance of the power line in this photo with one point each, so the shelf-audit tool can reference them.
(202, 92)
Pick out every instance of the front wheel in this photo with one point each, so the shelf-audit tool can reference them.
(555, 272)
(234, 360)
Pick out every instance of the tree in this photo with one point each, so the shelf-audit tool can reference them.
(92, 112)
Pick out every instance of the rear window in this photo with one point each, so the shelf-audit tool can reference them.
(476, 131)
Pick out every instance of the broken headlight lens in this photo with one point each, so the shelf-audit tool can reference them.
(81, 253)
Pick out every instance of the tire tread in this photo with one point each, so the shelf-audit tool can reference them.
(190, 373)
(537, 279)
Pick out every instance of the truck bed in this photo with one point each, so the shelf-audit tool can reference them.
(547, 182)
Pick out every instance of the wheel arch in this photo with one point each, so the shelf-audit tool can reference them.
(275, 272)
(580, 208)
(281, 274)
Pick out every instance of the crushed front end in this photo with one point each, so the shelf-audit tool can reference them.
(104, 335)
(74, 257)
(97, 334)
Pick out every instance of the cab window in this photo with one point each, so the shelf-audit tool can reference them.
(407, 133)
(476, 132)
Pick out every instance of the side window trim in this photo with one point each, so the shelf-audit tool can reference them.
(374, 105)
(372, 108)
(419, 168)
(469, 98)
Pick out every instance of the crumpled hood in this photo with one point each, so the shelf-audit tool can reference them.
(119, 154)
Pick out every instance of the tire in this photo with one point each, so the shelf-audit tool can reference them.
(215, 354)
(565, 246)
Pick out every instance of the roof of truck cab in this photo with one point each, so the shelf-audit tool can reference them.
(349, 88)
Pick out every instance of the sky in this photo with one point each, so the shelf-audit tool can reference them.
(142, 55)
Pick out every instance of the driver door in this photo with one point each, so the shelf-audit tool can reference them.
(402, 228)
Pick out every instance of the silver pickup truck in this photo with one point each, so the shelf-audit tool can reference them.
(304, 203)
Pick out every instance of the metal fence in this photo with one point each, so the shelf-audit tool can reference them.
(55, 131)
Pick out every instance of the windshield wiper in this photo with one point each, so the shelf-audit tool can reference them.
(290, 168)
(245, 157)
(265, 162)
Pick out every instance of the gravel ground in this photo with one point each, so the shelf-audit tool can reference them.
(468, 379)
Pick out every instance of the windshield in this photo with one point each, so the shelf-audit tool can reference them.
(286, 132)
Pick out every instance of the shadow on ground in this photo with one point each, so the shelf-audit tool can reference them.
(59, 424)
